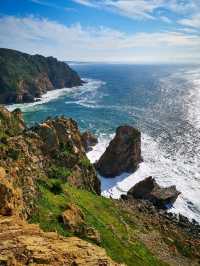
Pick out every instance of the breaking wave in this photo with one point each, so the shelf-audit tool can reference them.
(80, 94)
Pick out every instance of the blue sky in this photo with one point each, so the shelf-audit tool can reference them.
(138, 31)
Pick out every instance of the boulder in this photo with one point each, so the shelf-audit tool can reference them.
(92, 234)
(74, 221)
(148, 189)
(88, 140)
(73, 218)
(123, 153)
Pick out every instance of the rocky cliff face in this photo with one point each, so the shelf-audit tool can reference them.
(24, 77)
(52, 149)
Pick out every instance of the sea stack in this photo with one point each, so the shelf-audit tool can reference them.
(123, 153)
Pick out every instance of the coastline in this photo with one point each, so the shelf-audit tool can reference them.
(168, 174)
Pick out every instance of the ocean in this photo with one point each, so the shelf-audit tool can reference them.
(163, 101)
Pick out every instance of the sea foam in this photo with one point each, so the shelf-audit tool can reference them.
(164, 169)
(75, 92)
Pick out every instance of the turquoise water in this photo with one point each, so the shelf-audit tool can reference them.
(162, 101)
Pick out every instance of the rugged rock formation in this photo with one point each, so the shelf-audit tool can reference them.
(123, 153)
(52, 149)
(148, 189)
(62, 140)
(24, 77)
(89, 140)
(26, 244)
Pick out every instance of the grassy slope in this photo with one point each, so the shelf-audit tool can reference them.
(115, 226)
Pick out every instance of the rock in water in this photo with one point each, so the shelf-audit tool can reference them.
(123, 153)
(149, 190)
(88, 140)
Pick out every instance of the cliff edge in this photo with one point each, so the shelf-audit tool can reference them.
(24, 77)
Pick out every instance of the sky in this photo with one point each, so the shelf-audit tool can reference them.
(132, 31)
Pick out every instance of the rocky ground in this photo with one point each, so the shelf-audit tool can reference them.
(27, 244)
(51, 211)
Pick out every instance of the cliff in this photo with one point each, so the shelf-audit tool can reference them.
(51, 212)
(24, 77)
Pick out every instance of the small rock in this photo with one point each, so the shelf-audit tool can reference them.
(92, 234)
(88, 140)
(73, 218)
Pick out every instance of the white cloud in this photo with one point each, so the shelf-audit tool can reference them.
(135, 9)
(34, 35)
(144, 9)
(52, 5)
(193, 22)
(86, 3)
(165, 19)
(131, 8)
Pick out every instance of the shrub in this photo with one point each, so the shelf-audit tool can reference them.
(14, 154)
(59, 172)
(85, 162)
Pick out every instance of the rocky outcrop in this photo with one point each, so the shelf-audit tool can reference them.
(123, 153)
(24, 77)
(73, 218)
(89, 140)
(74, 221)
(148, 189)
(62, 140)
(52, 149)
(11, 123)
(10, 197)
(26, 244)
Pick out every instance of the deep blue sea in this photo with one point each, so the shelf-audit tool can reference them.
(162, 101)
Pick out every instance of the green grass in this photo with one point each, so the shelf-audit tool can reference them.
(85, 162)
(59, 172)
(117, 234)
(50, 207)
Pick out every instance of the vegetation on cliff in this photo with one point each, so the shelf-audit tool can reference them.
(24, 77)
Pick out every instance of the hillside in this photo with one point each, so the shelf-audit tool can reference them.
(24, 77)
(51, 211)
